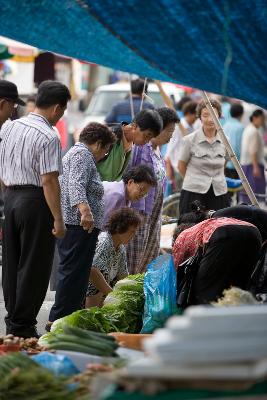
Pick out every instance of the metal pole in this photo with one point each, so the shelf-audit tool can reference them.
(131, 97)
(231, 152)
(143, 94)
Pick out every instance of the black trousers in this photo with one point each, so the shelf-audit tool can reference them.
(209, 200)
(28, 249)
(229, 259)
(76, 252)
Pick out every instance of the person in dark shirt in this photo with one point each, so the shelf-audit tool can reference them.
(122, 110)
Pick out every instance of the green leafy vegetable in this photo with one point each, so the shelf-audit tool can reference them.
(122, 310)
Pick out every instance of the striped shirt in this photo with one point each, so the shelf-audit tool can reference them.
(29, 149)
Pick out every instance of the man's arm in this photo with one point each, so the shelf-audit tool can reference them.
(168, 102)
(52, 196)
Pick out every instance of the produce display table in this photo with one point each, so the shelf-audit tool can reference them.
(257, 392)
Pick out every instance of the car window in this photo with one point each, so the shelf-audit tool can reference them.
(102, 102)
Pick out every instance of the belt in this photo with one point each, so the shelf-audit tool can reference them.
(22, 187)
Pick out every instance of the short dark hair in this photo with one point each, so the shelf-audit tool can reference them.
(96, 132)
(236, 110)
(190, 107)
(141, 173)
(168, 116)
(137, 86)
(215, 104)
(51, 93)
(256, 113)
(181, 102)
(198, 214)
(149, 120)
(120, 220)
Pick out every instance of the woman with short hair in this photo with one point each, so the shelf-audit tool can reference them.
(110, 262)
(202, 162)
(83, 209)
(135, 185)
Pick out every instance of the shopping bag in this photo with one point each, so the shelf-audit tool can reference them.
(186, 274)
(160, 293)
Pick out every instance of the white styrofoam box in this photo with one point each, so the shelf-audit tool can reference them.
(148, 367)
(209, 321)
(208, 352)
(254, 311)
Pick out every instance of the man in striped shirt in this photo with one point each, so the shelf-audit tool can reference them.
(30, 162)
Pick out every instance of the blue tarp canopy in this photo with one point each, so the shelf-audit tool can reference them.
(219, 46)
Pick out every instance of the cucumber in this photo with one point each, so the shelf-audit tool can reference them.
(82, 333)
(60, 345)
(106, 348)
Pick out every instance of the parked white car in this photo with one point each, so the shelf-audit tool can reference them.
(106, 96)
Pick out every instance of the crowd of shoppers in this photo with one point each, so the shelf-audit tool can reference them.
(103, 201)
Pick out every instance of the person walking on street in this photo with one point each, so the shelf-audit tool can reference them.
(30, 162)
(233, 129)
(83, 209)
(252, 155)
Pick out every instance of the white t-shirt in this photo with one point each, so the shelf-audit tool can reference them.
(252, 143)
(173, 147)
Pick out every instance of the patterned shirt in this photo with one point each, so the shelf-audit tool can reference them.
(188, 242)
(29, 148)
(110, 261)
(81, 183)
(147, 156)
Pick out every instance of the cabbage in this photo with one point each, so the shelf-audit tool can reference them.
(122, 310)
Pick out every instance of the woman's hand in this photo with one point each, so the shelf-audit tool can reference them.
(87, 219)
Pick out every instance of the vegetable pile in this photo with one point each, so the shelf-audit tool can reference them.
(80, 340)
(235, 297)
(122, 310)
(14, 343)
(23, 379)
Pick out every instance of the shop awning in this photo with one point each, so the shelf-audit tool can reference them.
(218, 46)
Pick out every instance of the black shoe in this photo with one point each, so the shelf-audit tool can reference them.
(48, 326)
(24, 333)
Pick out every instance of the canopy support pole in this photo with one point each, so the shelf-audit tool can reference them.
(143, 94)
(131, 97)
(231, 152)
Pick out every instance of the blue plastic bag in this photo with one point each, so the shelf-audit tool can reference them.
(59, 364)
(160, 286)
